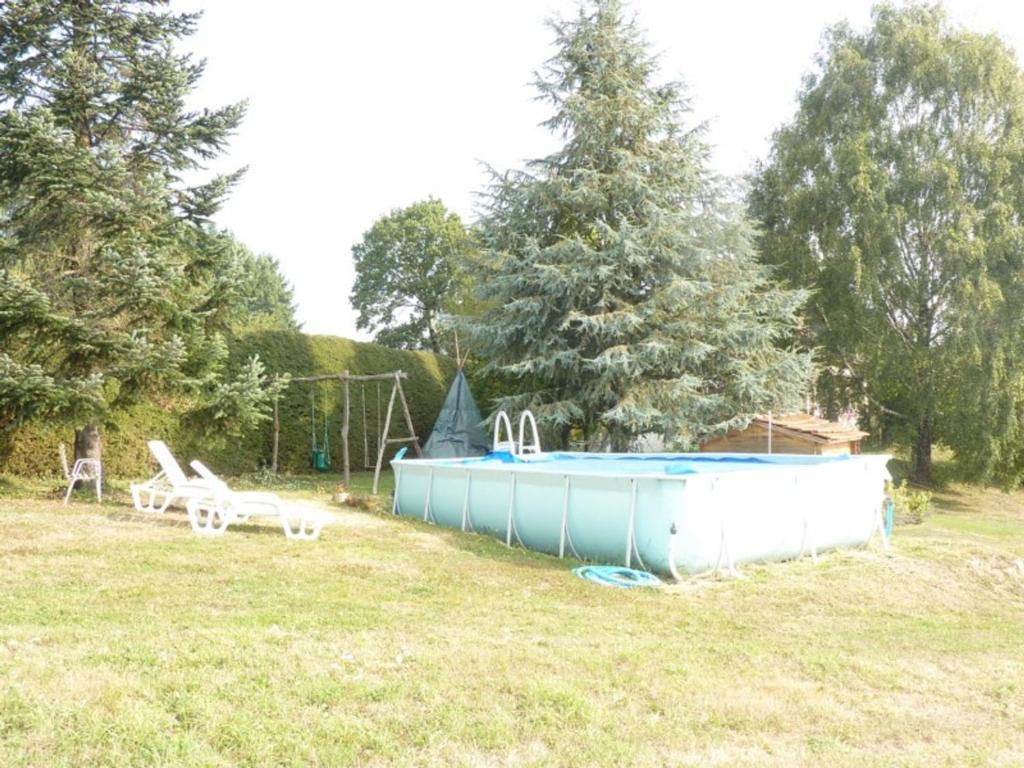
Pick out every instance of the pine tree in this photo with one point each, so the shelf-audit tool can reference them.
(625, 290)
(265, 300)
(111, 281)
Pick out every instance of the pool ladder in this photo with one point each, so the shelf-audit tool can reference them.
(520, 447)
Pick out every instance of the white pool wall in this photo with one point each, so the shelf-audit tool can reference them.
(745, 514)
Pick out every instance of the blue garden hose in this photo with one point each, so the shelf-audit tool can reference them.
(616, 576)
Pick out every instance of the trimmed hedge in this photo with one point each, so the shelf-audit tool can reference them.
(32, 450)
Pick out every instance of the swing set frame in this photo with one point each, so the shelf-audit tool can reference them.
(383, 441)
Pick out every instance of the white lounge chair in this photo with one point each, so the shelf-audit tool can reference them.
(170, 484)
(250, 497)
(216, 511)
(212, 506)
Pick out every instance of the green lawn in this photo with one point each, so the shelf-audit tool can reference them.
(127, 640)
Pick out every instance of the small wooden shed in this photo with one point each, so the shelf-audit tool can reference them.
(791, 433)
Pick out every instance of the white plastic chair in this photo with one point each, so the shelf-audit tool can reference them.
(83, 469)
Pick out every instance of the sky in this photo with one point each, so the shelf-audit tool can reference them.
(358, 108)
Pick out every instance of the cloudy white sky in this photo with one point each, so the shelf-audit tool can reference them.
(358, 108)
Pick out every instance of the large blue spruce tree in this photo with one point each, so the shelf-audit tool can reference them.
(626, 295)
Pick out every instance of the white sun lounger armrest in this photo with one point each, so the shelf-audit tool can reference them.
(204, 471)
(149, 487)
(153, 497)
(161, 475)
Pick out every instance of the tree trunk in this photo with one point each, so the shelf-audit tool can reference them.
(618, 440)
(564, 435)
(433, 338)
(88, 444)
(923, 451)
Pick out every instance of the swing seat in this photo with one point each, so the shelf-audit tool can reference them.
(319, 455)
(321, 461)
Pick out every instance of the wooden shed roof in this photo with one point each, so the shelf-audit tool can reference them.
(811, 428)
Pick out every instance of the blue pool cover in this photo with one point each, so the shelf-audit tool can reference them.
(653, 463)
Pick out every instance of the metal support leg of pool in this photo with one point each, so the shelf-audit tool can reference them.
(565, 520)
(880, 526)
(511, 507)
(631, 523)
(465, 500)
(807, 539)
(426, 500)
(394, 500)
(672, 569)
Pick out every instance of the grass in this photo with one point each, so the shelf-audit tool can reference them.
(126, 640)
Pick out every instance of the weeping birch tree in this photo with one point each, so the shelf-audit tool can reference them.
(624, 291)
(897, 195)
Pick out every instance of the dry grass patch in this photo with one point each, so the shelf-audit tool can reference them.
(126, 640)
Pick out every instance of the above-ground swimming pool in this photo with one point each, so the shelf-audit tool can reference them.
(668, 513)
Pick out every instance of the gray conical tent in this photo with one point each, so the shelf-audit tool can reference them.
(457, 431)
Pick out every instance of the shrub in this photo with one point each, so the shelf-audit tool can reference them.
(910, 504)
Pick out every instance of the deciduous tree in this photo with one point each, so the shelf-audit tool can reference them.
(407, 274)
(897, 195)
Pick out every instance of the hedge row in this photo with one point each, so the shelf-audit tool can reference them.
(32, 450)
